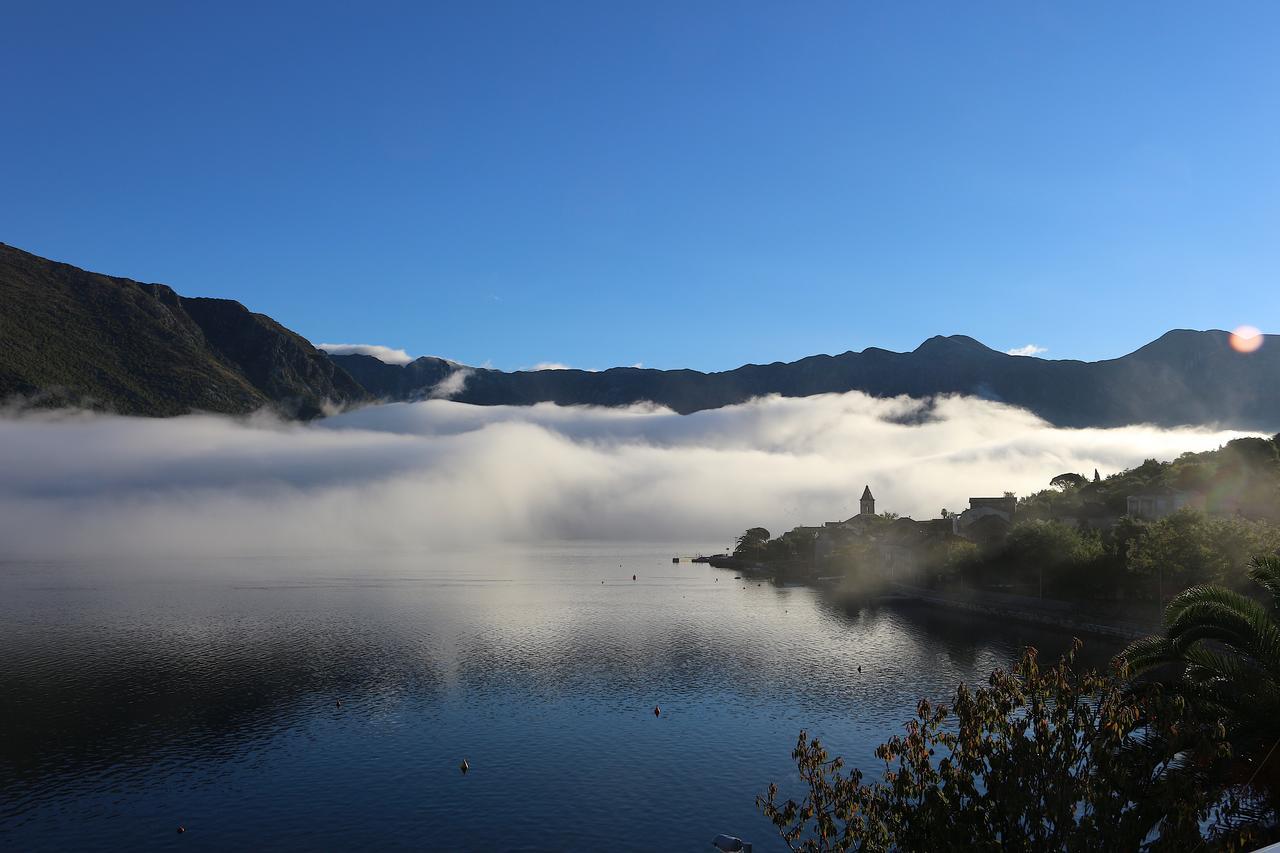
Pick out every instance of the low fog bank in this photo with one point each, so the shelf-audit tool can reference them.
(445, 474)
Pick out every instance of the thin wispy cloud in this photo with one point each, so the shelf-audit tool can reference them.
(452, 385)
(558, 365)
(1029, 349)
(384, 354)
(440, 474)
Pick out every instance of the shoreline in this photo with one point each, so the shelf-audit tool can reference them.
(1053, 613)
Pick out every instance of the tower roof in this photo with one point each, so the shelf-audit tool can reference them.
(866, 493)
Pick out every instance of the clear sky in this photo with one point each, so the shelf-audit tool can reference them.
(679, 184)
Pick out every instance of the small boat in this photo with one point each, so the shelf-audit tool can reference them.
(731, 844)
(675, 559)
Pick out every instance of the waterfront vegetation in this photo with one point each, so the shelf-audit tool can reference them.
(1175, 747)
(1074, 540)
(1051, 758)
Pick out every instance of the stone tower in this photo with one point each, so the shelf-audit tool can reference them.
(867, 505)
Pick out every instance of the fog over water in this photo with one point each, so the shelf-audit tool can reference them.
(284, 635)
(449, 474)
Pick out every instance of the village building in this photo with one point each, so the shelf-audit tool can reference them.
(909, 548)
(1157, 503)
(905, 548)
(834, 534)
(987, 520)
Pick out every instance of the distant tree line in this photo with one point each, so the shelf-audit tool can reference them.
(1074, 541)
(1053, 549)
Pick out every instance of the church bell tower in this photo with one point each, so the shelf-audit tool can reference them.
(867, 505)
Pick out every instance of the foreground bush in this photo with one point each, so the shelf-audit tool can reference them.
(1040, 759)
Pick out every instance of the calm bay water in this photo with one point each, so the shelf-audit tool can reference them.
(135, 698)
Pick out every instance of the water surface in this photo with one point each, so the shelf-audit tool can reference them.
(140, 697)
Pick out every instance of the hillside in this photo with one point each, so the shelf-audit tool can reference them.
(73, 337)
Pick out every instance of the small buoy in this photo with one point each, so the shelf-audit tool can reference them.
(657, 712)
(181, 829)
(464, 766)
(633, 577)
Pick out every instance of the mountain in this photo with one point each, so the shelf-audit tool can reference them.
(73, 337)
(1184, 377)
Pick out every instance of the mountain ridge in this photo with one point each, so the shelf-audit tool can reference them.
(1185, 377)
(71, 337)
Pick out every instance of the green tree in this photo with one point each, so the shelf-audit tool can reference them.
(1068, 481)
(1253, 453)
(1050, 557)
(1224, 649)
(1040, 759)
(751, 543)
(957, 556)
(1189, 548)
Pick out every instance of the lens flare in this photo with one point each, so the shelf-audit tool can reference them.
(1246, 339)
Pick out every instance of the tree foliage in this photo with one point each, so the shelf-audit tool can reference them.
(1068, 481)
(1224, 650)
(751, 543)
(1039, 759)
(1241, 477)
(1190, 548)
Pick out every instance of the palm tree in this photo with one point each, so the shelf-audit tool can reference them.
(1227, 648)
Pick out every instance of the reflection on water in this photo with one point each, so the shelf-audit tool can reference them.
(139, 697)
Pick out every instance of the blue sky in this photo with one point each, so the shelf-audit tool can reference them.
(678, 184)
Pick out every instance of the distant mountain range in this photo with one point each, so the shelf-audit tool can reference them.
(73, 337)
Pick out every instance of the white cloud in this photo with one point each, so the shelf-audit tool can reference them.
(438, 474)
(451, 385)
(558, 365)
(1029, 349)
(385, 354)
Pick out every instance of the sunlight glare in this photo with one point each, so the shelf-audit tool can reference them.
(1246, 339)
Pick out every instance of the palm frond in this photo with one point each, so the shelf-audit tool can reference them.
(1221, 615)
(1265, 571)
(1147, 654)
